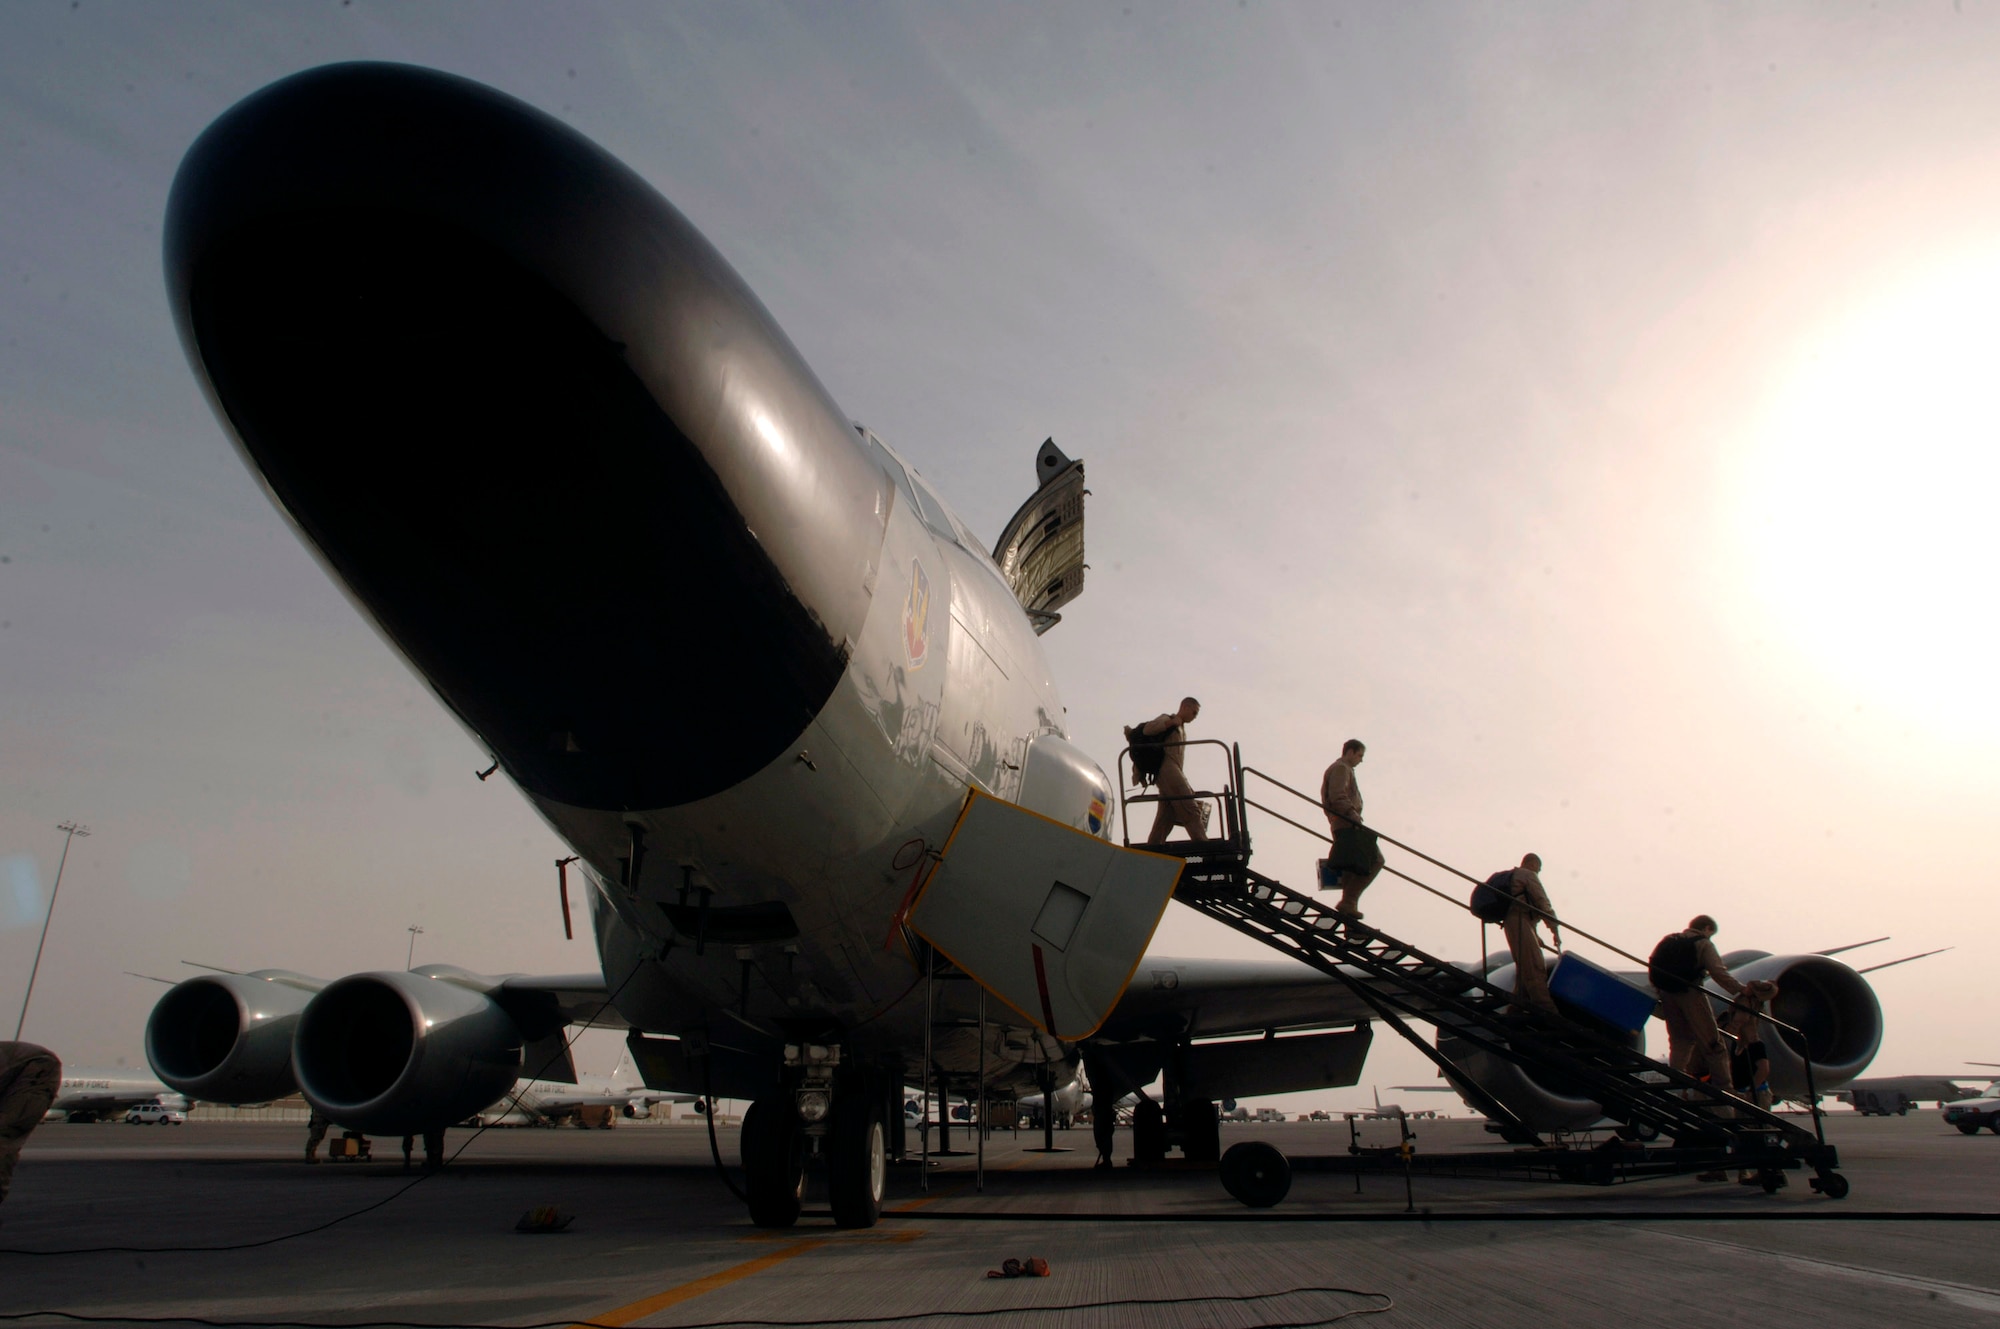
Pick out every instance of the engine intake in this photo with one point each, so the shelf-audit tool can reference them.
(1834, 1008)
(400, 1054)
(227, 1038)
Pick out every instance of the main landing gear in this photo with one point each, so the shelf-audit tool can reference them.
(833, 1117)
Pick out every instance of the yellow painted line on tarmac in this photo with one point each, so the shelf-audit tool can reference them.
(674, 1296)
(861, 1237)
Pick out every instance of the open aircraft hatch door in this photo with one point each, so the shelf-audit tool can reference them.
(1049, 919)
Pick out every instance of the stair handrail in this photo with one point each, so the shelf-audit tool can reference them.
(1435, 862)
(1244, 772)
(1228, 798)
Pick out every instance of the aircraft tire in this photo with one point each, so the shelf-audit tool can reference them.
(1256, 1173)
(774, 1162)
(858, 1161)
(1149, 1131)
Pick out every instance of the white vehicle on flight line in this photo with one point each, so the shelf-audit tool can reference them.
(793, 718)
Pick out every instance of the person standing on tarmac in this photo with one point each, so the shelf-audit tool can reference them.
(1178, 805)
(1530, 907)
(1676, 969)
(30, 1075)
(315, 1133)
(1355, 857)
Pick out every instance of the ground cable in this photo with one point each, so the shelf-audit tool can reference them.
(1388, 1304)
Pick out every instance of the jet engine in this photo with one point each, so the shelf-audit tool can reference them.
(1830, 1003)
(227, 1038)
(402, 1053)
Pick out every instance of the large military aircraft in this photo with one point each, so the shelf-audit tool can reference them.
(734, 649)
(87, 1095)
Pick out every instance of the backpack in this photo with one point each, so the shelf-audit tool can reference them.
(1673, 966)
(1492, 898)
(1149, 751)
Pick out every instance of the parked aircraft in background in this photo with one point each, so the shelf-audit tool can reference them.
(791, 716)
(550, 1103)
(1389, 1110)
(99, 1095)
(1070, 1100)
(1880, 1096)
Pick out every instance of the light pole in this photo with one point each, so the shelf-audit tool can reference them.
(70, 830)
(411, 958)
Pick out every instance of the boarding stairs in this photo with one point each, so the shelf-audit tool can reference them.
(1707, 1127)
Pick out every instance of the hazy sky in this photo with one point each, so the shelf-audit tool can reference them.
(1588, 406)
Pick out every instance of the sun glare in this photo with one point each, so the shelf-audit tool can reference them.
(1869, 503)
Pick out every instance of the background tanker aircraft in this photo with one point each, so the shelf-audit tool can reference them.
(735, 651)
(90, 1095)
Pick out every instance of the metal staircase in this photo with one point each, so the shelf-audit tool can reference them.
(1708, 1128)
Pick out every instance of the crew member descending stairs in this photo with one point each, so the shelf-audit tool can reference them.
(1402, 983)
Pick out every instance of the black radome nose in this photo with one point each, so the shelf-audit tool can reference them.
(532, 421)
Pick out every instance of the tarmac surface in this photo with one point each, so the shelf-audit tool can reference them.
(658, 1240)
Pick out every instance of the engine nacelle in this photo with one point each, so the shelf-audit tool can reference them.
(400, 1054)
(1832, 1005)
(227, 1038)
(1540, 1100)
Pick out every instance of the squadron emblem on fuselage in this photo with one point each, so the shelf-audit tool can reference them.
(917, 617)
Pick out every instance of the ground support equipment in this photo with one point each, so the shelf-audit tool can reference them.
(1708, 1128)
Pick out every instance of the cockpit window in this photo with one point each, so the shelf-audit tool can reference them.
(916, 490)
(918, 493)
(936, 516)
(889, 462)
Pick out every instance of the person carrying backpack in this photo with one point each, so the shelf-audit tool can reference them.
(1676, 969)
(1528, 905)
(1158, 745)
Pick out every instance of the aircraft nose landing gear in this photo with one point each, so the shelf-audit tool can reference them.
(829, 1113)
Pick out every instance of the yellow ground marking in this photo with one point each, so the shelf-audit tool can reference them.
(674, 1296)
(860, 1237)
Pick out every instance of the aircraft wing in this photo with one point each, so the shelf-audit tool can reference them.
(1221, 997)
(574, 998)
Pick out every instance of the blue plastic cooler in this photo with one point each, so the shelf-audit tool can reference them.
(1615, 1001)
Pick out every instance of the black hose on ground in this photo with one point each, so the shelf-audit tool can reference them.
(714, 1149)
